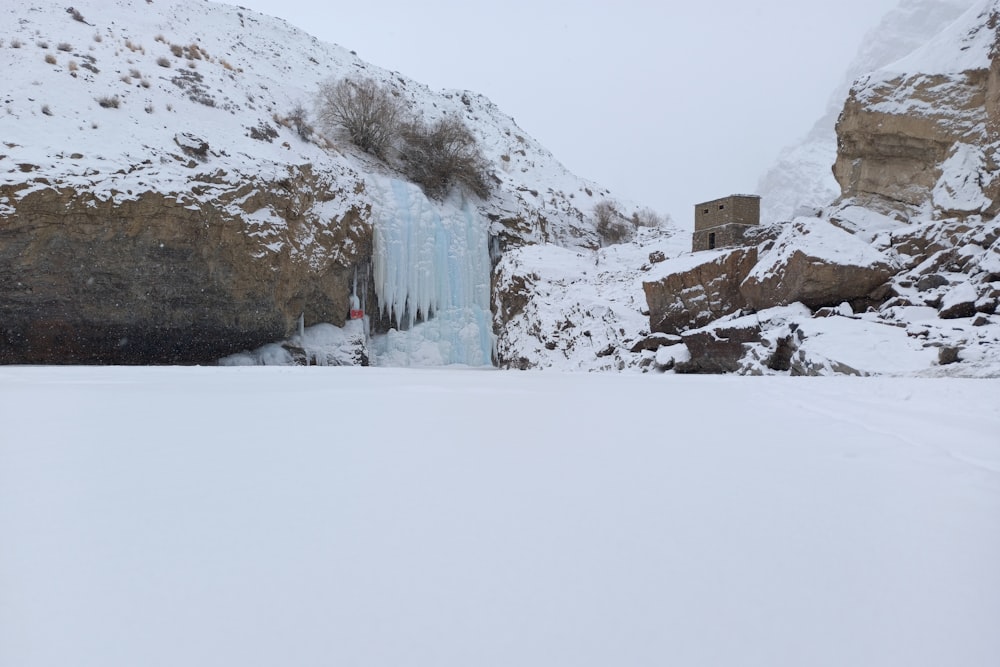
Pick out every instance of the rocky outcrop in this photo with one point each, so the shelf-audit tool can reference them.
(921, 133)
(817, 264)
(167, 278)
(697, 289)
(718, 349)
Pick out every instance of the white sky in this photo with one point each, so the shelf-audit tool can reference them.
(666, 103)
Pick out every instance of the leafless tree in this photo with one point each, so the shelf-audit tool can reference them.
(365, 110)
(647, 217)
(611, 225)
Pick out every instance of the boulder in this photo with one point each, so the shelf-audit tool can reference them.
(718, 349)
(817, 264)
(959, 302)
(654, 341)
(697, 289)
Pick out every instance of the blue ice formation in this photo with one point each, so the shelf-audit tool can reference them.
(431, 269)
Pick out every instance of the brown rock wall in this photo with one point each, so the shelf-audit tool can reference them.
(161, 278)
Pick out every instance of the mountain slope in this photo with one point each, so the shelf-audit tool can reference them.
(151, 155)
(802, 174)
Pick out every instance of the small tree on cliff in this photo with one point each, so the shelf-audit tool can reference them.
(365, 110)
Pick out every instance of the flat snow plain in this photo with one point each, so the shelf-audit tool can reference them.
(377, 517)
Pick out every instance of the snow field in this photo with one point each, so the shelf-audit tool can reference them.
(316, 516)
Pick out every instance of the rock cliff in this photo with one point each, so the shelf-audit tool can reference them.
(920, 136)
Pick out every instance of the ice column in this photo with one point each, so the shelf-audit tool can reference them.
(431, 269)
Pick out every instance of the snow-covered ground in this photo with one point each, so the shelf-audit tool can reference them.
(347, 516)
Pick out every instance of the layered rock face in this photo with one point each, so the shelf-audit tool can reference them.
(698, 289)
(157, 278)
(920, 136)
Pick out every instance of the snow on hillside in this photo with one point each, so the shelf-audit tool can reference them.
(586, 307)
(195, 516)
(107, 102)
(802, 175)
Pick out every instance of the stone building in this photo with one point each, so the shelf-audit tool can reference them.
(721, 223)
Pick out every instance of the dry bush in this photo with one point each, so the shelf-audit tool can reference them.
(144, 83)
(73, 66)
(46, 110)
(225, 64)
(177, 50)
(43, 44)
(16, 43)
(126, 79)
(64, 46)
(50, 59)
(109, 102)
(442, 155)
(97, 37)
(163, 61)
(298, 119)
(611, 225)
(77, 16)
(647, 217)
(135, 74)
(367, 112)
(160, 38)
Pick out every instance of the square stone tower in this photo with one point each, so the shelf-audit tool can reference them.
(721, 223)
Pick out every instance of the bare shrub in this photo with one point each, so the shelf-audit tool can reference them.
(64, 46)
(97, 37)
(298, 119)
(46, 110)
(144, 83)
(163, 61)
(73, 66)
(160, 38)
(225, 64)
(43, 44)
(368, 112)
(647, 217)
(50, 59)
(77, 16)
(611, 225)
(109, 102)
(442, 155)
(16, 43)
(134, 73)
(177, 50)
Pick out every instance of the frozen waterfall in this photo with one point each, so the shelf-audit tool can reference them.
(431, 269)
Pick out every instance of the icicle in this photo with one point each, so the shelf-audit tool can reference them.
(431, 271)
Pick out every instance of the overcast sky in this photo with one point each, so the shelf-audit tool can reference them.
(666, 103)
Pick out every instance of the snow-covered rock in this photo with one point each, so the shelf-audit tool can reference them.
(801, 175)
(697, 288)
(918, 135)
(815, 263)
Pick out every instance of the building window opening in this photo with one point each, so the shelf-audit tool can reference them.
(722, 206)
(704, 210)
(711, 240)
